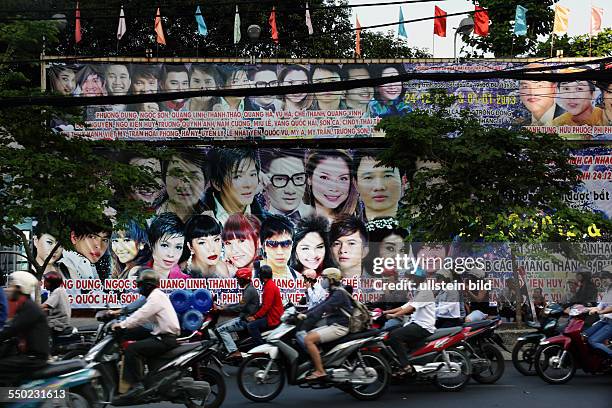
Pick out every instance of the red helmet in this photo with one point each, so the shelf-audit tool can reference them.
(244, 273)
(54, 279)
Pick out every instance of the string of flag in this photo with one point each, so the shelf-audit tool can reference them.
(480, 17)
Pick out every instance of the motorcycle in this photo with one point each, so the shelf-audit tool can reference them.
(438, 358)
(558, 357)
(481, 343)
(526, 346)
(75, 341)
(172, 376)
(350, 364)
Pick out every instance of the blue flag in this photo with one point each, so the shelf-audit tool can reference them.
(520, 21)
(201, 24)
(401, 31)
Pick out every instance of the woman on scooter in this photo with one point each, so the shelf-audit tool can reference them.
(333, 310)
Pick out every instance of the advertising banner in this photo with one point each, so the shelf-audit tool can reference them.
(219, 210)
(579, 110)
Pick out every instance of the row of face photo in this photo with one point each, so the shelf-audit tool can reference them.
(116, 80)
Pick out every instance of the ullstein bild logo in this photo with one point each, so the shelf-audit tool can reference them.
(410, 263)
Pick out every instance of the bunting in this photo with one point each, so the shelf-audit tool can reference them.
(401, 31)
(77, 25)
(308, 21)
(596, 19)
(121, 28)
(272, 21)
(481, 22)
(357, 37)
(520, 21)
(202, 29)
(439, 22)
(159, 31)
(561, 20)
(237, 34)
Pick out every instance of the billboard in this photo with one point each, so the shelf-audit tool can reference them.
(579, 110)
(217, 210)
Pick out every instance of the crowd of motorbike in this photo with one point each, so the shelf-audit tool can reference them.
(89, 360)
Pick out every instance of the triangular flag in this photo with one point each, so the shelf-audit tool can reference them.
(440, 22)
(158, 29)
(520, 21)
(237, 27)
(202, 29)
(596, 19)
(121, 28)
(481, 22)
(357, 37)
(272, 21)
(561, 20)
(77, 24)
(401, 31)
(308, 21)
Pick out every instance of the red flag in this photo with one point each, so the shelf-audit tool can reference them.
(158, 29)
(272, 21)
(481, 22)
(77, 25)
(440, 22)
(357, 37)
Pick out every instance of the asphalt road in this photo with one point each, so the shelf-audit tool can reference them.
(513, 390)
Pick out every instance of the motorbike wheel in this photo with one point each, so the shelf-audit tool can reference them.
(547, 364)
(497, 367)
(454, 384)
(375, 390)
(218, 389)
(523, 357)
(83, 397)
(251, 382)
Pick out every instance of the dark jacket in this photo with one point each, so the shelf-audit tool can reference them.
(331, 309)
(248, 305)
(3, 308)
(29, 326)
(208, 204)
(272, 304)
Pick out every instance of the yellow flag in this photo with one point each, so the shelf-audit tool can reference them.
(561, 19)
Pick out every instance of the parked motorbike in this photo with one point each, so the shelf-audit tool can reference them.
(76, 341)
(438, 358)
(170, 377)
(482, 346)
(349, 366)
(526, 346)
(558, 357)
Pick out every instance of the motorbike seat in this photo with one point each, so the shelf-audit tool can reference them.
(350, 337)
(479, 324)
(438, 334)
(177, 351)
(57, 368)
(88, 328)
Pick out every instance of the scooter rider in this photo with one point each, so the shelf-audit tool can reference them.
(57, 305)
(29, 327)
(602, 330)
(335, 325)
(448, 310)
(269, 314)
(421, 324)
(248, 306)
(315, 293)
(157, 310)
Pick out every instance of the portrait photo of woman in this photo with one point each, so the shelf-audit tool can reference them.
(167, 239)
(311, 245)
(203, 237)
(241, 241)
(389, 98)
(293, 75)
(130, 250)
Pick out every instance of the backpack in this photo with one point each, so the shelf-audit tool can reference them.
(359, 319)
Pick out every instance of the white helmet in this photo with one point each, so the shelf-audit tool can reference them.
(477, 273)
(445, 273)
(25, 281)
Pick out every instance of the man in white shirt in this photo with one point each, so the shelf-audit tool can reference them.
(421, 324)
(315, 293)
(602, 330)
(159, 312)
(448, 310)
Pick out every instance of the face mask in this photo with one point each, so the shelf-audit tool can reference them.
(325, 284)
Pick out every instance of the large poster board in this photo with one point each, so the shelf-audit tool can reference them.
(579, 110)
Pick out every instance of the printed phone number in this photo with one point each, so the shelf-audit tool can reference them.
(16, 394)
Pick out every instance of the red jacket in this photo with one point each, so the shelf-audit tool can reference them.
(271, 304)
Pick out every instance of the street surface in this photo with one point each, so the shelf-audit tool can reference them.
(513, 390)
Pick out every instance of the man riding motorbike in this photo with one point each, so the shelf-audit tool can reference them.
(602, 330)
(421, 324)
(315, 293)
(29, 327)
(157, 310)
(448, 311)
(248, 305)
(331, 318)
(269, 314)
(57, 305)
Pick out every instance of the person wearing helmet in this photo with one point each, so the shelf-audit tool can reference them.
(448, 312)
(28, 326)
(57, 305)
(422, 323)
(269, 314)
(334, 310)
(315, 293)
(166, 328)
(248, 305)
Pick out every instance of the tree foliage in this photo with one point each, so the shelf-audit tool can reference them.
(579, 46)
(484, 183)
(501, 40)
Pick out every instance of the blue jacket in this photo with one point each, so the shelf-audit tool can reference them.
(330, 309)
(3, 308)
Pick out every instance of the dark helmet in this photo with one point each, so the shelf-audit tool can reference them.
(54, 279)
(147, 277)
(265, 272)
